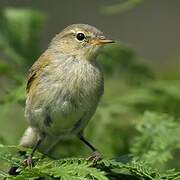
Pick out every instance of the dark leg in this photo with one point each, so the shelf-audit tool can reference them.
(96, 155)
(29, 161)
(37, 145)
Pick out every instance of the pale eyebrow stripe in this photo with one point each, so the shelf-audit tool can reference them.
(73, 32)
(85, 33)
(67, 34)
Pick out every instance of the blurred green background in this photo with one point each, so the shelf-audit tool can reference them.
(139, 113)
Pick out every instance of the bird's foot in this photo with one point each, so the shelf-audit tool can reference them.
(29, 162)
(96, 156)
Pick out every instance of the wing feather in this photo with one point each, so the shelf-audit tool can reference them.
(36, 70)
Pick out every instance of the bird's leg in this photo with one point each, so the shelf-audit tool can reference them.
(29, 160)
(96, 154)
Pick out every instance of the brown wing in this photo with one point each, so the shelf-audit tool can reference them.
(36, 70)
(32, 76)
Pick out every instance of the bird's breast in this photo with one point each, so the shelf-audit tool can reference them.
(77, 83)
(67, 91)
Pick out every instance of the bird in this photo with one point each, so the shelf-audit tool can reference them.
(64, 87)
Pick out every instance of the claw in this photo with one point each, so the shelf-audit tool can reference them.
(96, 156)
(29, 162)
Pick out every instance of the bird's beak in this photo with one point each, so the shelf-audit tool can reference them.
(101, 41)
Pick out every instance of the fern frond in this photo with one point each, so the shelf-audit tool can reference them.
(158, 138)
(135, 168)
(79, 168)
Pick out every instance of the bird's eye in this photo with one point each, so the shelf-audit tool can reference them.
(80, 36)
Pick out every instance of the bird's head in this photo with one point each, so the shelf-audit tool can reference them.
(80, 40)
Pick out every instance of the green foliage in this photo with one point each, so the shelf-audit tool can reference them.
(19, 43)
(161, 96)
(19, 34)
(158, 138)
(77, 168)
(119, 60)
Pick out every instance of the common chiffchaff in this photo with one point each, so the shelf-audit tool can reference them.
(63, 90)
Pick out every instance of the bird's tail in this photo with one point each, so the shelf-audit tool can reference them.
(29, 138)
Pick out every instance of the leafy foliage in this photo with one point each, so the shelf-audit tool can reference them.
(161, 96)
(119, 60)
(19, 35)
(78, 168)
(158, 138)
(19, 44)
